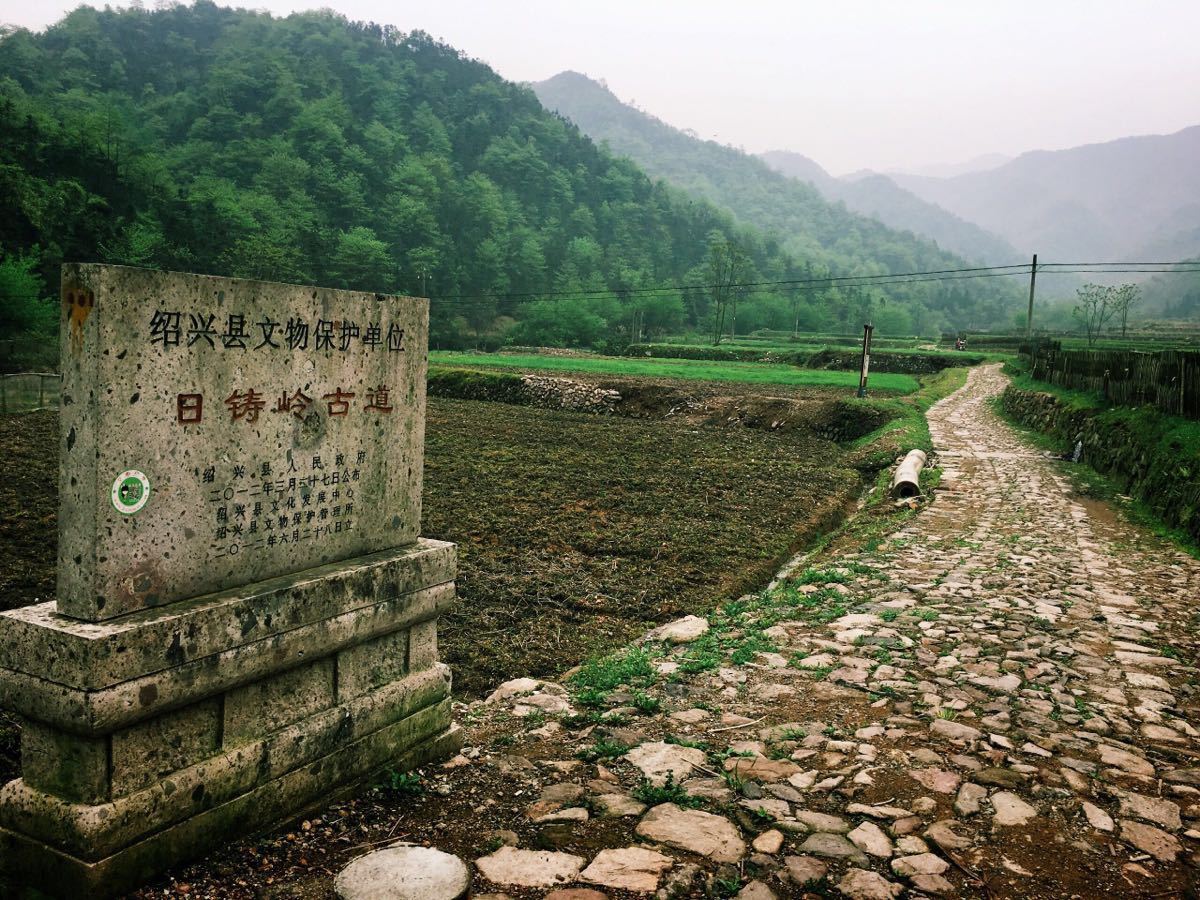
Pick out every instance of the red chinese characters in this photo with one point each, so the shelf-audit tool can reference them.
(296, 403)
(377, 399)
(245, 405)
(339, 402)
(189, 409)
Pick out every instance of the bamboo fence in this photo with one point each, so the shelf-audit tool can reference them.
(1167, 379)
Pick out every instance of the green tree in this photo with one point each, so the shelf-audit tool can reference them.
(363, 261)
(1094, 307)
(726, 269)
(1124, 299)
(23, 306)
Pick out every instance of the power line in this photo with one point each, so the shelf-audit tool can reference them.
(751, 288)
(1186, 262)
(1017, 269)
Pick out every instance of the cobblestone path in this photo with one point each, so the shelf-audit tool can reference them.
(996, 700)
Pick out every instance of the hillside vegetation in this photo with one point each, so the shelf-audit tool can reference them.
(826, 235)
(313, 149)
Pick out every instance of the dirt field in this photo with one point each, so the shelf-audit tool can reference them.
(573, 530)
(28, 507)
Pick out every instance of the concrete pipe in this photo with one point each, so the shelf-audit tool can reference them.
(907, 480)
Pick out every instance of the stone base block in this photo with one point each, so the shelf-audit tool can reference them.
(32, 869)
(156, 736)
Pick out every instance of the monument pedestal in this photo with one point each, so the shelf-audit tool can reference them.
(155, 736)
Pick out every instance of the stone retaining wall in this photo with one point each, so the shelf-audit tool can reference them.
(897, 363)
(563, 393)
(523, 390)
(1147, 468)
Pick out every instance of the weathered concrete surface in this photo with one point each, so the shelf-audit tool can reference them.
(38, 640)
(248, 624)
(213, 389)
(27, 861)
(103, 828)
(275, 646)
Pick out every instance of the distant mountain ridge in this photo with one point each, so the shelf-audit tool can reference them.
(828, 234)
(877, 195)
(1113, 200)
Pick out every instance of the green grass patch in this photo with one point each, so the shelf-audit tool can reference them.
(669, 792)
(645, 703)
(602, 749)
(822, 576)
(602, 674)
(690, 369)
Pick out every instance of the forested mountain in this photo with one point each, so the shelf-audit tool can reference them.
(1116, 200)
(879, 197)
(826, 234)
(312, 149)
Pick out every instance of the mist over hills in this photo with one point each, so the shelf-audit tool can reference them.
(980, 163)
(311, 149)
(1116, 200)
(877, 195)
(829, 235)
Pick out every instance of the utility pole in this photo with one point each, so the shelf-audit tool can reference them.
(866, 360)
(1032, 284)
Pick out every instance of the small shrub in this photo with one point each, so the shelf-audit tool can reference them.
(402, 784)
(602, 749)
(669, 792)
(646, 703)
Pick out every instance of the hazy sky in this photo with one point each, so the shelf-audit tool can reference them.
(851, 83)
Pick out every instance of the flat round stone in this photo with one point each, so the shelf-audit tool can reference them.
(404, 873)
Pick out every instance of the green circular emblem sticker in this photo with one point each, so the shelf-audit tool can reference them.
(130, 492)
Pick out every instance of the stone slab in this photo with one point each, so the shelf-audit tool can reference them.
(39, 641)
(154, 749)
(100, 712)
(94, 831)
(66, 765)
(27, 861)
(366, 666)
(406, 872)
(273, 703)
(422, 645)
(203, 419)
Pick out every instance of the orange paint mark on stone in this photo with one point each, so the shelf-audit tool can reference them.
(79, 302)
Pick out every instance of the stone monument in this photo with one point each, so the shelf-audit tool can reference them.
(246, 616)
